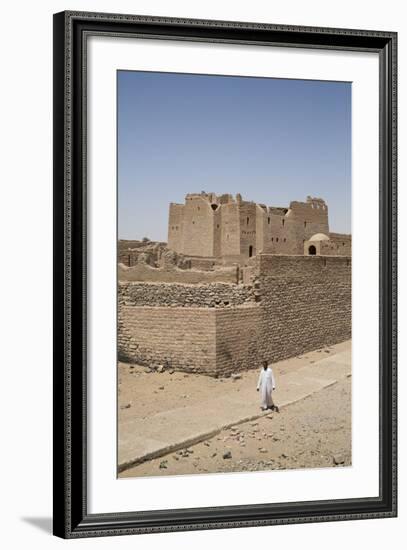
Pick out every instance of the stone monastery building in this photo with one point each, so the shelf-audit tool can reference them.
(232, 229)
(237, 283)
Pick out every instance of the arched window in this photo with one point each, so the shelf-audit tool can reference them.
(312, 250)
(250, 251)
(247, 220)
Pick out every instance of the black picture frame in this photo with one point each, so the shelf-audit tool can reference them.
(71, 518)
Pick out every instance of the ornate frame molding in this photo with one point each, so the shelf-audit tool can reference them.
(71, 30)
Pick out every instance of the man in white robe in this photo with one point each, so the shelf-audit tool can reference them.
(266, 385)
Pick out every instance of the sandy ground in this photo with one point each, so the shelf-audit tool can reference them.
(314, 432)
(142, 392)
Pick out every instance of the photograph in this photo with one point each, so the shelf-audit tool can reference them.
(234, 274)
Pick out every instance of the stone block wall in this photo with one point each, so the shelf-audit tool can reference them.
(183, 339)
(292, 304)
(306, 303)
(237, 339)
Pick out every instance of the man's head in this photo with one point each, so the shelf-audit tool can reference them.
(265, 364)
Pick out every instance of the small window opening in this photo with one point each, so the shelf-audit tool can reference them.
(268, 220)
(305, 224)
(250, 251)
(312, 250)
(282, 221)
(247, 221)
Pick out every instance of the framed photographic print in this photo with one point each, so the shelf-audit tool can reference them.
(224, 274)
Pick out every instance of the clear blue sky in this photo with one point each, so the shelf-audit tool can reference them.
(272, 140)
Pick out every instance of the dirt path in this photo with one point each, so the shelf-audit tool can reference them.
(315, 432)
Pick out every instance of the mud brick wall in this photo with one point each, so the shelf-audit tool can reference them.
(306, 303)
(182, 295)
(179, 338)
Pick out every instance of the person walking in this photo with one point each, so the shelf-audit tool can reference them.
(266, 385)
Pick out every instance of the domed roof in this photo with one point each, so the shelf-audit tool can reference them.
(319, 237)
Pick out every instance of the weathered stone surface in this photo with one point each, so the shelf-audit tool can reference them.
(304, 303)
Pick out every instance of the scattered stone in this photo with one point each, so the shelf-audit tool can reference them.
(327, 351)
(338, 459)
(161, 388)
(163, 464)
(207, 443)
(126, 406)
(263, 450)
(228, 454)
(160, 368)
(213, 455)
(171, 371)
(236, 376)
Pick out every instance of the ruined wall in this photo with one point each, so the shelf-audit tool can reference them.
(181, 295)
(128, 252)
(146, 273)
